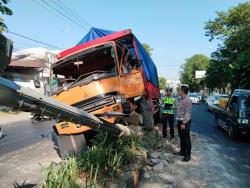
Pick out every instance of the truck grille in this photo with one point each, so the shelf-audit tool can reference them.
(97, 103)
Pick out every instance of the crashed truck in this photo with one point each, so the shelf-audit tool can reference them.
(107, 81)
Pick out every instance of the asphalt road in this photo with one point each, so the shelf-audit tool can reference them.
(25, 150)
(234, 155)
(20, 134)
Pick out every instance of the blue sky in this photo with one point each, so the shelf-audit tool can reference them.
(174, 29)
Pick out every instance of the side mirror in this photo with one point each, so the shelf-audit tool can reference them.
(37, 83)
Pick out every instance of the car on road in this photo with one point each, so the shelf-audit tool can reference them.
(199, 96)
(235, 117)
(208, 98)
(194, 98)
(214, 100)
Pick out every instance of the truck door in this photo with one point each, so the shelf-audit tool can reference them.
(131, 81)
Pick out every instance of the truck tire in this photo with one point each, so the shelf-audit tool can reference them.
(232, 133)
(147, 114)
(70, 144)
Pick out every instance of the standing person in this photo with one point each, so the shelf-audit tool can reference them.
(183, 117)
(168, 113)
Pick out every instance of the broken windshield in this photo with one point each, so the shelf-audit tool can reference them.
(96, 60)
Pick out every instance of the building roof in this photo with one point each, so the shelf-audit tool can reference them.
(28, 63)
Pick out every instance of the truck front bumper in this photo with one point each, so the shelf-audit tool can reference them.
(72, 128)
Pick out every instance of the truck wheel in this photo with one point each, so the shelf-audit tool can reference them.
(70, 144)
(232, 133)
(147, 114)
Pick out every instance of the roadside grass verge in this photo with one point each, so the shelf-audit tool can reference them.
(63, 174)
(101, 163)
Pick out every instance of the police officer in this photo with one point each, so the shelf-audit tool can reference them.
(168, 113)
(183, 117)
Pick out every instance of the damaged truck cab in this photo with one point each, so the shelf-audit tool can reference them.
(106, 77)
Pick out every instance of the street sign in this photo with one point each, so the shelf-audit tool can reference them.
(200, 74)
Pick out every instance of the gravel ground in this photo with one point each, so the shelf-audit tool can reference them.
(206, 169)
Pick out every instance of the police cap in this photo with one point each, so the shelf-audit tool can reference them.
(168, 89)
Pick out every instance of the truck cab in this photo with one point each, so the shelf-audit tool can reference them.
(235, 118)
(105, 77)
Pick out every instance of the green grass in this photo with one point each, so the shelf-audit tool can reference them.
(61, 175)
(101, 163)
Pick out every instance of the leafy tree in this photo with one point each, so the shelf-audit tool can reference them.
(192, 64)
(147, 48)
(4, 10)
(162, 83)
(217, 75)
(232, 28)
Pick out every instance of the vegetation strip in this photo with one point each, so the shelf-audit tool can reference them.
(101, 163)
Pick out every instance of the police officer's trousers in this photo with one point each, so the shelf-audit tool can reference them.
(185, 140)
(168, 119)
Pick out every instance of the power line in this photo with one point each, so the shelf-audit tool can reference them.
(61, 13)
(56, 14)
(72, 12)
(50, 6)
(34, 40)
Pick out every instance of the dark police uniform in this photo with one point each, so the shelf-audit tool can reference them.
(183, 116)
(168, 116)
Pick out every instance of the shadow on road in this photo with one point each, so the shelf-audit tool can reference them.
(24, 185)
